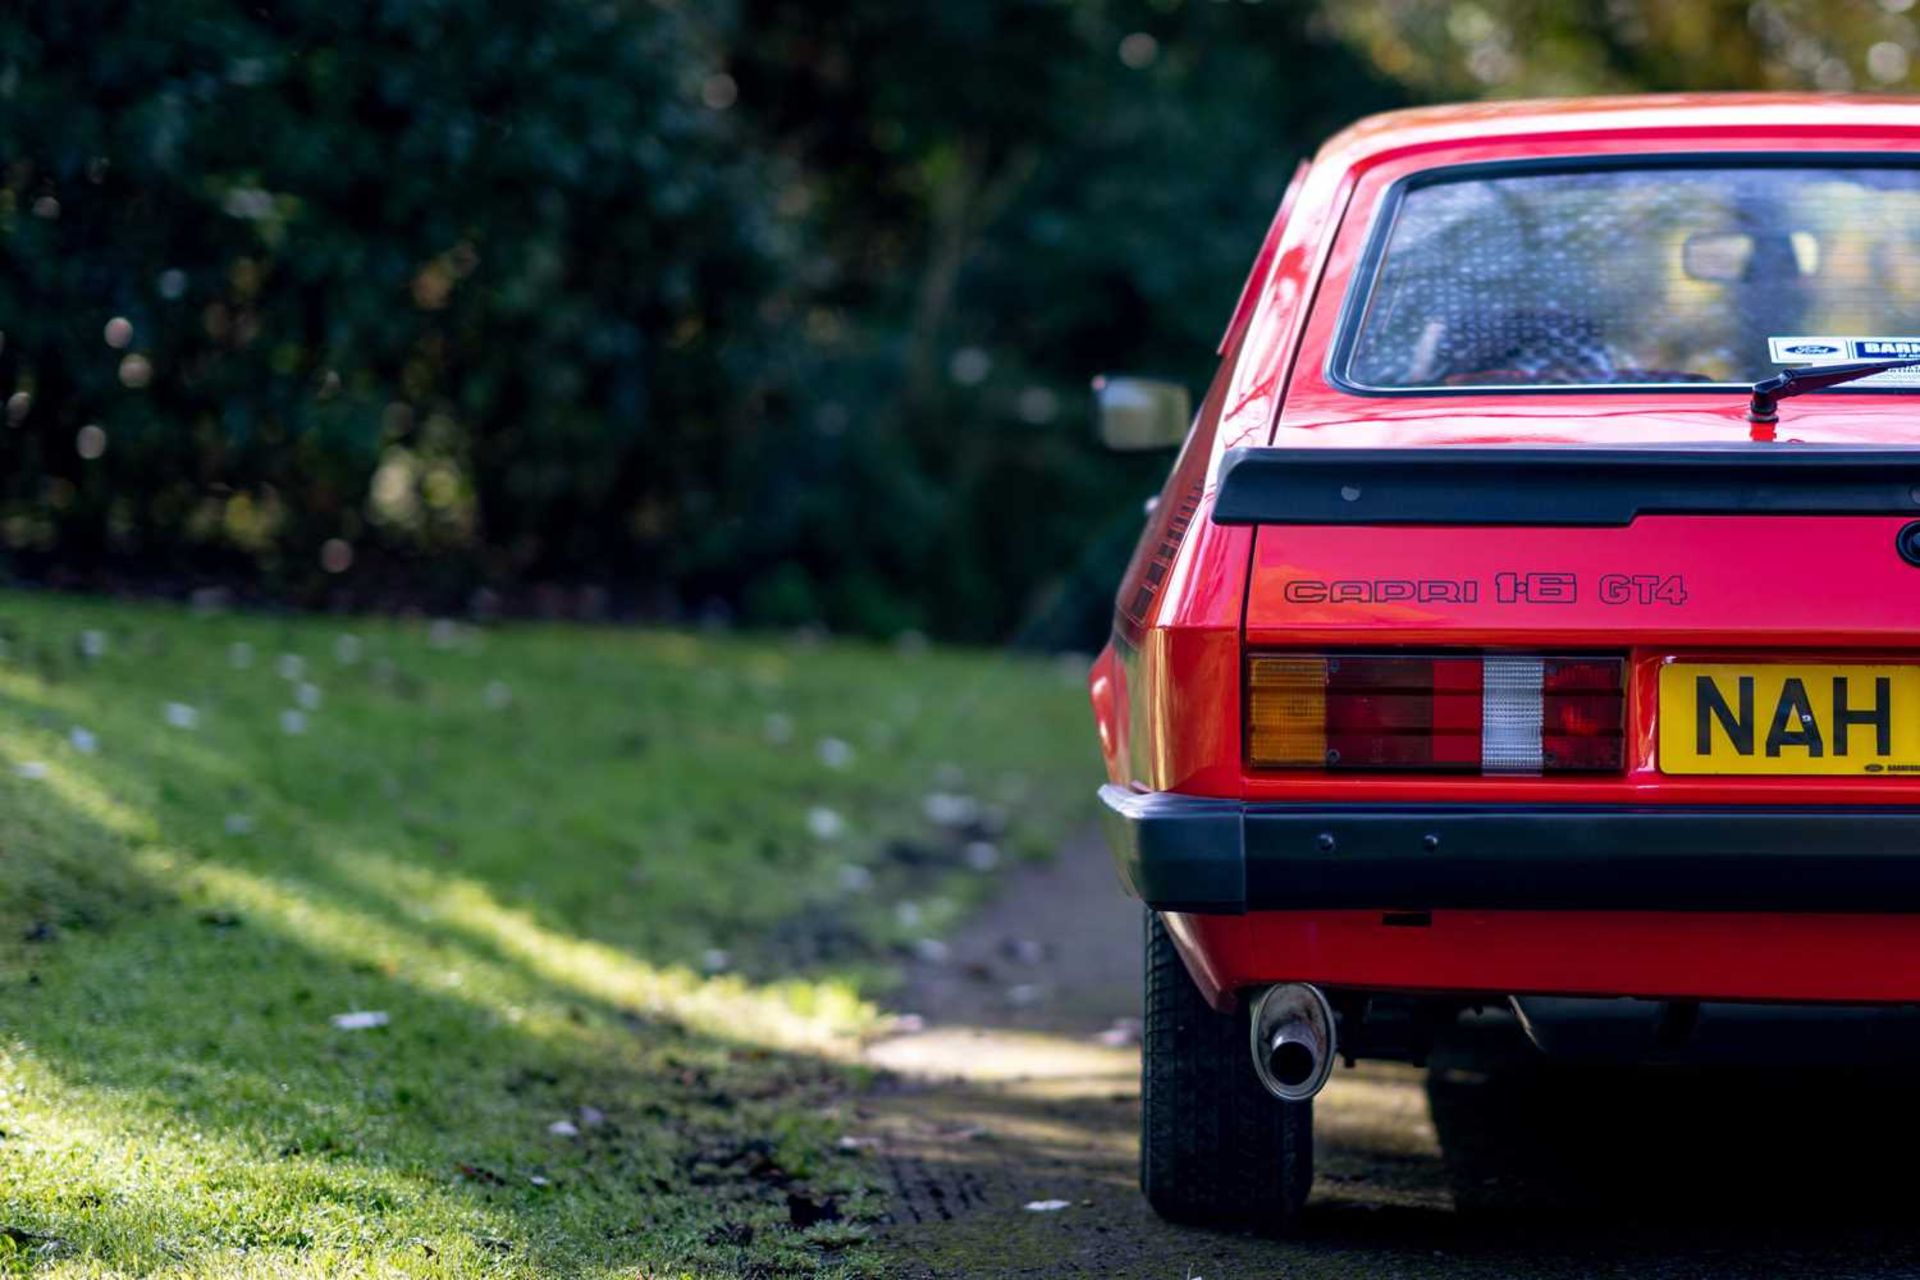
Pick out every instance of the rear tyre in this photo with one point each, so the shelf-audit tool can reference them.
(1216, 1149)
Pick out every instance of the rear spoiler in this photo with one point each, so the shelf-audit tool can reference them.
(1574, 485)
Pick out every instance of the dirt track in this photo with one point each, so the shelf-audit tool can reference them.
(1489, 1164)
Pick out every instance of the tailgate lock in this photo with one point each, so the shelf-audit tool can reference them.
(1908, 542)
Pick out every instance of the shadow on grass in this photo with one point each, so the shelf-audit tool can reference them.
(1720, 1161)
(1493, 1163)
(181, 1092)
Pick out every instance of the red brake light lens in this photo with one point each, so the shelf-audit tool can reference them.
(1492, 713)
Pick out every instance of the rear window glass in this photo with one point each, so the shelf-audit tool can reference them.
(1628, 277)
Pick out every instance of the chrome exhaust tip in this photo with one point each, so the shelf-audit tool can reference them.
(1293, 1040)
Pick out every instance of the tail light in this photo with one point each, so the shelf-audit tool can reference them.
(1493, 713)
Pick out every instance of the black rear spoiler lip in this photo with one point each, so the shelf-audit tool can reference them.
(1579, 486)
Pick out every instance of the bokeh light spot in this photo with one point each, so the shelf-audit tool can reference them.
(1888, 62)
(719, 91)
(970, 366)
(1139, 50)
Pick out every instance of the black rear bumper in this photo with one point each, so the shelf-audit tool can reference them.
(1191, 853)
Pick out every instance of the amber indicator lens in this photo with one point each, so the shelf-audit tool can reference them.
(1482, 713)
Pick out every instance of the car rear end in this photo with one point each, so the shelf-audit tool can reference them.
(1667, 755)
(1504, 657)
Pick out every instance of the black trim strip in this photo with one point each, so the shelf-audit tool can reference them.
(1572, 486)
(1183, 853)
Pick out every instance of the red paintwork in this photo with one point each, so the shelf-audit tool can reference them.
(1167, 690)
(1699, 955)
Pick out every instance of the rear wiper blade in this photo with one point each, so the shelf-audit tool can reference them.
(1769, 392)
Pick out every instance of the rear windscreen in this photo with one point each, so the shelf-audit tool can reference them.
(1635, 276)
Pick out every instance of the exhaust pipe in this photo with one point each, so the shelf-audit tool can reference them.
(1293, 1040)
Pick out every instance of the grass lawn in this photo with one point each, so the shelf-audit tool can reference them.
(620, 899)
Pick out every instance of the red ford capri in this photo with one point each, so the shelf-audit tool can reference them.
(1531, 617)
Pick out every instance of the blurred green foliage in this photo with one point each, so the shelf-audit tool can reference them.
(427, 278)
(778, 310)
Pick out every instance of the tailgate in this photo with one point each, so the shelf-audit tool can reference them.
(1785, 547)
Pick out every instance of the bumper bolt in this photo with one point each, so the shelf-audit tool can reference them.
(1429, 843)
(1326, 842)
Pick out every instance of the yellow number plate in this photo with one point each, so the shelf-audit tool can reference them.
(1759, 717)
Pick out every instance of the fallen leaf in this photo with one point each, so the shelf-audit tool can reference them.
(946, 809)
(982, 855)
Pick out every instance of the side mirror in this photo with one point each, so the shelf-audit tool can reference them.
(1141, 413)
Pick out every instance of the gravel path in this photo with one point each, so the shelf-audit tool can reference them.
(1023, 1088)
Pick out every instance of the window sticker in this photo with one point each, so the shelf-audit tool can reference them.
(1833, 348)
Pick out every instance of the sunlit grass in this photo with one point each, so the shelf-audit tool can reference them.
(583, 874)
